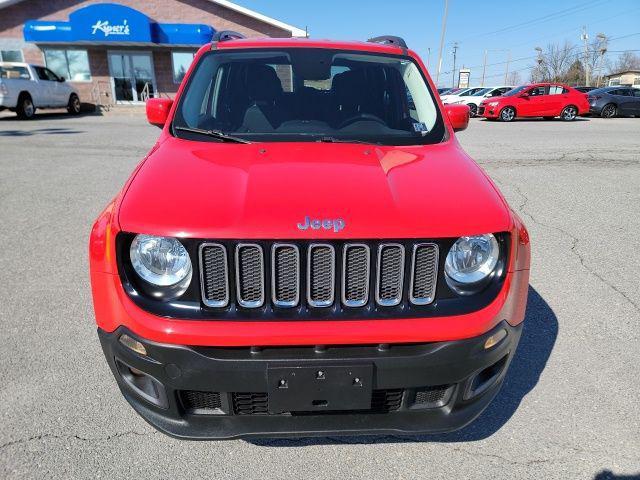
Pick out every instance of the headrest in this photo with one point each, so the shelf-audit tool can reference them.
(263, 83)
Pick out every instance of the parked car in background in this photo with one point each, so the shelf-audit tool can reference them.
(442, 91)
(473, 101)
(548, 100)
(585, 89)
(25, 88)
(610, 102)
(450, 92)
(453, 98)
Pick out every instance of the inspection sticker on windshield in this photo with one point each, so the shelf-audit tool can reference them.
(420, 127)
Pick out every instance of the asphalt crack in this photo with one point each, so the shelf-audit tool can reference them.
(574, 245)
(52, 436)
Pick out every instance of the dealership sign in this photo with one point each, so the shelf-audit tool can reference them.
(112, 23)
(106, 29)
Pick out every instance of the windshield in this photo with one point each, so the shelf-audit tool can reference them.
(481, 92)
(469, 92)
(515, 91)
(301, 94)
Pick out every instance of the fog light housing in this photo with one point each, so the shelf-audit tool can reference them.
(495, 339)
(132, 344)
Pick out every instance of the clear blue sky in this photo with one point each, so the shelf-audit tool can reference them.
(491, 24)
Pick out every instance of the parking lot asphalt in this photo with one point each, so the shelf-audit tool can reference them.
(570, 407)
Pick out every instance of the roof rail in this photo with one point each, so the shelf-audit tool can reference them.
(390, 40)
(226, 35)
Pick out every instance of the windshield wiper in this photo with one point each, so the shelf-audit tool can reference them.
(223, 137)
(327, 139)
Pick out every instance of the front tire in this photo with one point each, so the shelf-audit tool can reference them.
(73, 107)
(25, 109)
(569, 113)
(507, 114)
(609, 111)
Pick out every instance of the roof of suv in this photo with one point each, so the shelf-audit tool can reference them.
(309, 43)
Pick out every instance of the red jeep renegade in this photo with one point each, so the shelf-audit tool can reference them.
(307, 250)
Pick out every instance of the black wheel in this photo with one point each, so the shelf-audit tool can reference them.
(569, 113)
(73, 107)
(549, 118)
(473, 110)
(609, 111)
(25, 108)
(507, 114)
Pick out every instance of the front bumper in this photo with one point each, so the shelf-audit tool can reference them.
(222, 392)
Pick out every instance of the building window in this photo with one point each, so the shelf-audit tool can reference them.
(11, 56)
(636, 81)
(71, 65)
(181, 62)
(614, 82)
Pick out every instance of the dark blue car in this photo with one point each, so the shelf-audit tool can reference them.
(611, 102)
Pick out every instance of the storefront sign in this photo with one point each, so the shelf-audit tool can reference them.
(111, 23)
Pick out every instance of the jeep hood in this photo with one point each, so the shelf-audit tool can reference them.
(263, 190)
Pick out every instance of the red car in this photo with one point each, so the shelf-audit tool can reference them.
(548, 100)
(307, 250)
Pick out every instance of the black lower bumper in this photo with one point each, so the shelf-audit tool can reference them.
(217, 393)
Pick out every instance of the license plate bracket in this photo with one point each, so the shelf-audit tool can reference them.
(320, 388)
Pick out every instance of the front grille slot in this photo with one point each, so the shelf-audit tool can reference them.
(431, 397)
(384, 401)
(390, 274)
(252, 403)
(250, 275)
(214, 280)
(424, 273)
(285, 275)
(195, 401)
(321, 274)
(355, 275)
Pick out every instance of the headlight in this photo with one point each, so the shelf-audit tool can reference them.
(163, 262)
(470, 262)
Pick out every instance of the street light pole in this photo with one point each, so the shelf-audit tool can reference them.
(585, 38)
(484, 68)
(506, 72)
(453, 74)
(444, 27)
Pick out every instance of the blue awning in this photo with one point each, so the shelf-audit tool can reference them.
(111, 23)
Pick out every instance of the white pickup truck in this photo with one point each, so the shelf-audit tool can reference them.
(24, 88)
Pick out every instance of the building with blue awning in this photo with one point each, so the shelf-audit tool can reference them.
(122, 52)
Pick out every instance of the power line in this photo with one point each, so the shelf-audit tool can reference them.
(544, 18)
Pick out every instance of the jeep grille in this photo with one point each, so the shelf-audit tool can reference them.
(317, 275)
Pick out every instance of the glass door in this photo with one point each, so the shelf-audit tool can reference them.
(132, 74)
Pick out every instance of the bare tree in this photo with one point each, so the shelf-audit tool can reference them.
(514, 78)
(625, 61)
(554, 63)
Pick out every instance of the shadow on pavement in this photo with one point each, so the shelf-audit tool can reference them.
(609, 475)
(39, 131)
(536, 344)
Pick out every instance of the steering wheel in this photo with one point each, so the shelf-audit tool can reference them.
(367, 117)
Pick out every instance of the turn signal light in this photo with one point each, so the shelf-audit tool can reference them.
(132, 344)
(495, 339)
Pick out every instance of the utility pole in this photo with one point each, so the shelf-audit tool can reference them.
(585, 38)
(453, 76)
(444, 28)
(602, 49)
(506, 72)
(484, 68)
(428, 58)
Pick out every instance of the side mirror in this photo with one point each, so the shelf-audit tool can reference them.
(158, 111)
(524, 95)
(458, 116)
(61, 79)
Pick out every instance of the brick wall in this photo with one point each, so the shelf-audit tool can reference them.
(12, 19)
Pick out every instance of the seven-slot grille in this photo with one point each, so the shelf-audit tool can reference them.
(315, 273)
